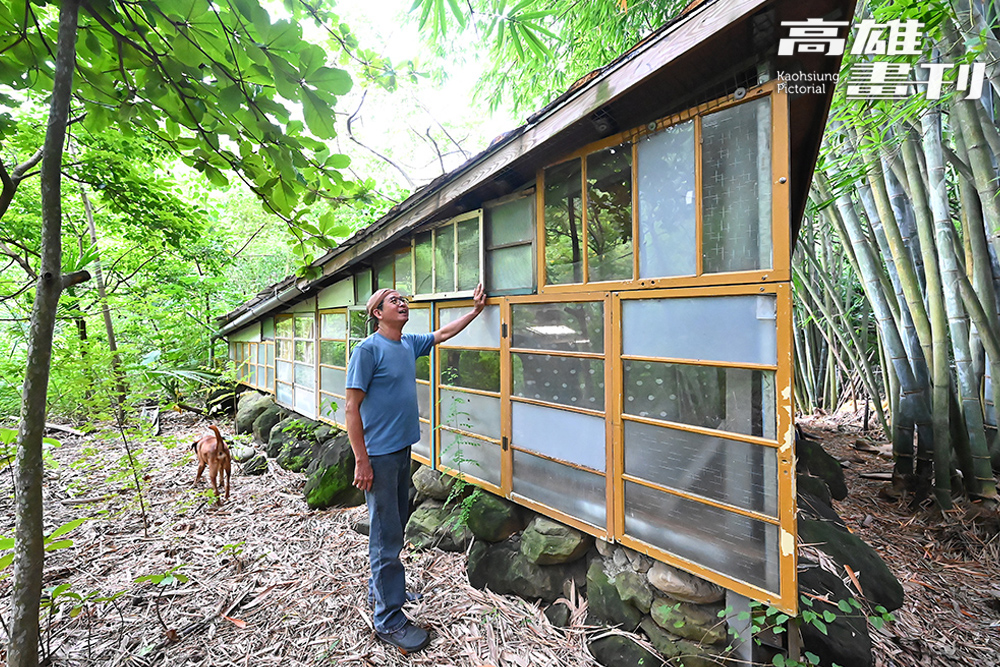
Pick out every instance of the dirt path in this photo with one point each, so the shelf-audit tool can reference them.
(948, 564)
(291, 581)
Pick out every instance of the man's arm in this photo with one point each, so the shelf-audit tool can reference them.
(453, 328)
(363, 474)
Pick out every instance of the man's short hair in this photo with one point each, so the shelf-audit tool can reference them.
(375, 300)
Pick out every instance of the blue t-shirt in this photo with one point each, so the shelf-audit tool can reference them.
(386, 371)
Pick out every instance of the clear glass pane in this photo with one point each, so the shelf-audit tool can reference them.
(404, 269)
(609, 214)
(362, 286)
(444, 259)
(285, 349)
(332, 408)
(270, 377)
(736, 188)
(423, 446)
(564, 224)
(305, 402)
(472, 369)
(728, 471)
(284, 392)
(512, 222)
(566, 380)
(471, 412)
(359, 324)
(285, 371)
(284, 326)
(424, 368)
(334, 325)
(510, 268)
(667, 213)
(424, 400)
(743, 548)
(303, 326)
(333, 380)
(385, 274)
(305, 376)
(484, 331)
(471, 456)
(736, 329)
(304, 351)
(468, 254)
(571, 327)
(729, 399)
(333, 352)
(423, 258)
(561, 434)
(576, 492)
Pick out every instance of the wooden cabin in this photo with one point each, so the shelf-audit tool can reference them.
(632, 373)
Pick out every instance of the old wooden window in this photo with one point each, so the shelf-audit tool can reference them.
(509, 230)
(447, 260)
(333, 365)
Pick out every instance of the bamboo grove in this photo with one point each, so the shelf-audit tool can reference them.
(896, 272)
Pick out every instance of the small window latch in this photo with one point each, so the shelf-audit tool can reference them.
(503, 330)
(504, 443)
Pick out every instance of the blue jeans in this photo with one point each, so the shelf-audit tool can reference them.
(388, 510)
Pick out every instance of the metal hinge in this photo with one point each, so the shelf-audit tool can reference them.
(503, 443)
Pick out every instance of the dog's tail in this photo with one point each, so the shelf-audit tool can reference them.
(222, 450)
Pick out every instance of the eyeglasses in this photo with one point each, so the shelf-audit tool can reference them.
(394, 301)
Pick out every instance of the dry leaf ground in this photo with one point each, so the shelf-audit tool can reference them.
(272, 583)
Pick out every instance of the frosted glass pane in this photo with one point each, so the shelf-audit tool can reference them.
(303, 326)
(667, 224)
(576, 492)
(472, 369)
(284, 393)
(385, 274)
(737, 329)
(741, 547)
(512, 222)
(471, 412)
(484, 331)
(444, 259)
(251, 375)
(564, 435)
(270, 377)
(305, 376)
(334, 325)
(471, 456)
(305, 402)
(736, 188)
(563, 224)
(609, 214)
(423, 446)
(270, 354)
(333, 352)
(419, 321)
(571, 327)
(423, 260)
(729, 471)
(284, 371)
(304, 351)
(566, 380)
(728, 399)
(332, 407)
(424, 400)
(468, 254)
(267, 329)
(510, 268)
(333, 380)
(404, 271)
(362, 286)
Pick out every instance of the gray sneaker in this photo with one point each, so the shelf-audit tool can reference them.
(408, 639)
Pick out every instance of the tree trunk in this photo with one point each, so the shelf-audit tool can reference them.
(22, 649)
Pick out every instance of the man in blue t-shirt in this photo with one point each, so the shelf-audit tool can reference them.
(382, 423)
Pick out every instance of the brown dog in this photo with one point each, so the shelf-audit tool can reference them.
(212, 451)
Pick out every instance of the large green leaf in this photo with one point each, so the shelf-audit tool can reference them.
(330, 79)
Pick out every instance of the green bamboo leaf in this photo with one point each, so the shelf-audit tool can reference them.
(67, 527)
(61, 544)
(5, 561)
(457, 12)
(6, 543)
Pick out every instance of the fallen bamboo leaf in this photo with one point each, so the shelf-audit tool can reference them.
(854, 578)
(235, 621)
